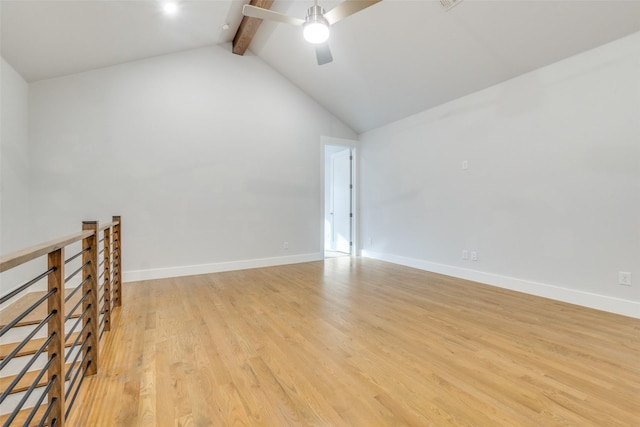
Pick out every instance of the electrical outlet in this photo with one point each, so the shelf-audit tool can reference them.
(465, 164)
(474, 256)
(624, 278)
(370, 240)
(286, 245)
(465, 254)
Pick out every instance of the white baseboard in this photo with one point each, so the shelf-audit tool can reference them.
(558, 293)
(190, 270)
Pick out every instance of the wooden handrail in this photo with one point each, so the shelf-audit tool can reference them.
(108, 225)
(15, 259)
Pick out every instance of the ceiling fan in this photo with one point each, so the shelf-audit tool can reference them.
(316, 24)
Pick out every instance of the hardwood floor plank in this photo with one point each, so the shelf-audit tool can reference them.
(358, 342)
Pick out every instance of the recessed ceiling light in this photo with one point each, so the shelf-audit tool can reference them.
(170, 7)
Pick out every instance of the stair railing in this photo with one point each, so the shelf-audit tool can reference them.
(72, 317)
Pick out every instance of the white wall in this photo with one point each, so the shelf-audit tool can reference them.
(14, 157)
(551, 198)
(211, 159)
(15, 227)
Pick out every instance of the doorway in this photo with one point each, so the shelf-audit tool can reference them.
(338, 215)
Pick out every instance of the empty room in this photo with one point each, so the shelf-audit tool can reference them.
(320, 213)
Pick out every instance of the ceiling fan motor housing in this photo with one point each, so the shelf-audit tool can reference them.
(316, 14)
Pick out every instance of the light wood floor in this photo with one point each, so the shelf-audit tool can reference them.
(357, 342)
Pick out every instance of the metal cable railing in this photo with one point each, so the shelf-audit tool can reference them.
(76, 342)
(84, 251)
(39, 402)
(82, 267)
(35, 383)
(46, 311)
(45, 416)
(75, 394)
(76, 323)
(26, 312)
(25, 341)
(77, 370)
(25, 369)
(30, 390)
(75, 307)
(83, 347)
(72, 293)
(26, 286)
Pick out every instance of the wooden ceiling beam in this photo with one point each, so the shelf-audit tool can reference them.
(248, 28)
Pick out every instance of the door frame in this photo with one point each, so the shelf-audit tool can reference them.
(347, 143)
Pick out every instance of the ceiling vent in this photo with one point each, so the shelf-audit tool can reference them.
(448, 4)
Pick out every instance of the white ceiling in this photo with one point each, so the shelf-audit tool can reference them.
(391, 60)
(50, 38)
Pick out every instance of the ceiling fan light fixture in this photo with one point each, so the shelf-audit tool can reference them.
(316, 32)
(316, 27)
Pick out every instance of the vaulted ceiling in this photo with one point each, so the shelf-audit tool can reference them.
(394, 59)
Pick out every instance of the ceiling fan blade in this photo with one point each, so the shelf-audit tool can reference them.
(323, 53)
(258, 12)
(347, 8)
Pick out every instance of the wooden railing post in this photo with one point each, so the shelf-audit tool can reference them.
(117, 259)
(106, 248)
(56, 326)
(90, 280)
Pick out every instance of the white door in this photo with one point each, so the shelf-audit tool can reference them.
(341, 201)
